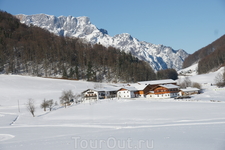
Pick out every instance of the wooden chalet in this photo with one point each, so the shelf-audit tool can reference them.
(164, 91)
(142, 89)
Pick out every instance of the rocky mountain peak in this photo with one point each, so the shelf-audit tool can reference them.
(158, 56)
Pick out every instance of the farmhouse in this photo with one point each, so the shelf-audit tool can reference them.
(189, 91)
(142, 89)
(151, 89)
(102, 93)
(110, 92)
(91, 94)
(127, 92)
(164, 91)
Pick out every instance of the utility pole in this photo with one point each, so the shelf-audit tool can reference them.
(19, 106)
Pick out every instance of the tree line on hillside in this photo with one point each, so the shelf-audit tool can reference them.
(212, 61)
(35, 51)
(208, 58)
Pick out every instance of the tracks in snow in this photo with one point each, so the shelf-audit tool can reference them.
(127, 125)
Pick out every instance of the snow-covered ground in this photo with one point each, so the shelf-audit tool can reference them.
(191, 70)
(194, 124)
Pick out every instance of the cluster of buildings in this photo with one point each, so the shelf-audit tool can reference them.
(146, 89)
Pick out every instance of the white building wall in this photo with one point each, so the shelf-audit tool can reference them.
(141, 95)
(166, 95)
(94, 92)
(125, 94)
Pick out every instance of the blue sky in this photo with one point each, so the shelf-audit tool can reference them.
(181, 24)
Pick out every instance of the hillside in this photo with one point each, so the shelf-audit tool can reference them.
(158, 56)
(209, 57)
(35, 51)
(213, 61)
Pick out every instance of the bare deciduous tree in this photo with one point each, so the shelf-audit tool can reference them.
(77, 98)
(31, 107)
(66, 97)
(44, 104)
(56, 103)
(185, 83)
(220, 79)
(196, 85)
(51, 104)
(48, 104)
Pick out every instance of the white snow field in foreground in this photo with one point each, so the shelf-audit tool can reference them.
(165, 124)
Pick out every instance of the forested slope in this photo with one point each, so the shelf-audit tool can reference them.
(203, 52)
(212, 61)
(209, 57)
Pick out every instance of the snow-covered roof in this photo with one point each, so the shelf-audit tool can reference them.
(92, 90)
(169, 86)
(139, 87)
(108, 88)
(99, 90)
(129, 88)
(154, 82)
(190, 89)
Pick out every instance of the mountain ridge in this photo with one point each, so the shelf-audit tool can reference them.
(158, 56)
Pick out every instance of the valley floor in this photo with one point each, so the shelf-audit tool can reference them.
(107, 124)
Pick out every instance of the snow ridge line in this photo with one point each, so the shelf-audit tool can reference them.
(4, 137)
(124, 127)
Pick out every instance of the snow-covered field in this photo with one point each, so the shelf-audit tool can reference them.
(166, 124)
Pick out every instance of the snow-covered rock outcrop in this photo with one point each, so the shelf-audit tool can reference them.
(158, 56)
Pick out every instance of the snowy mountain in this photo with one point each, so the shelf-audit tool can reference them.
(158, 56)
